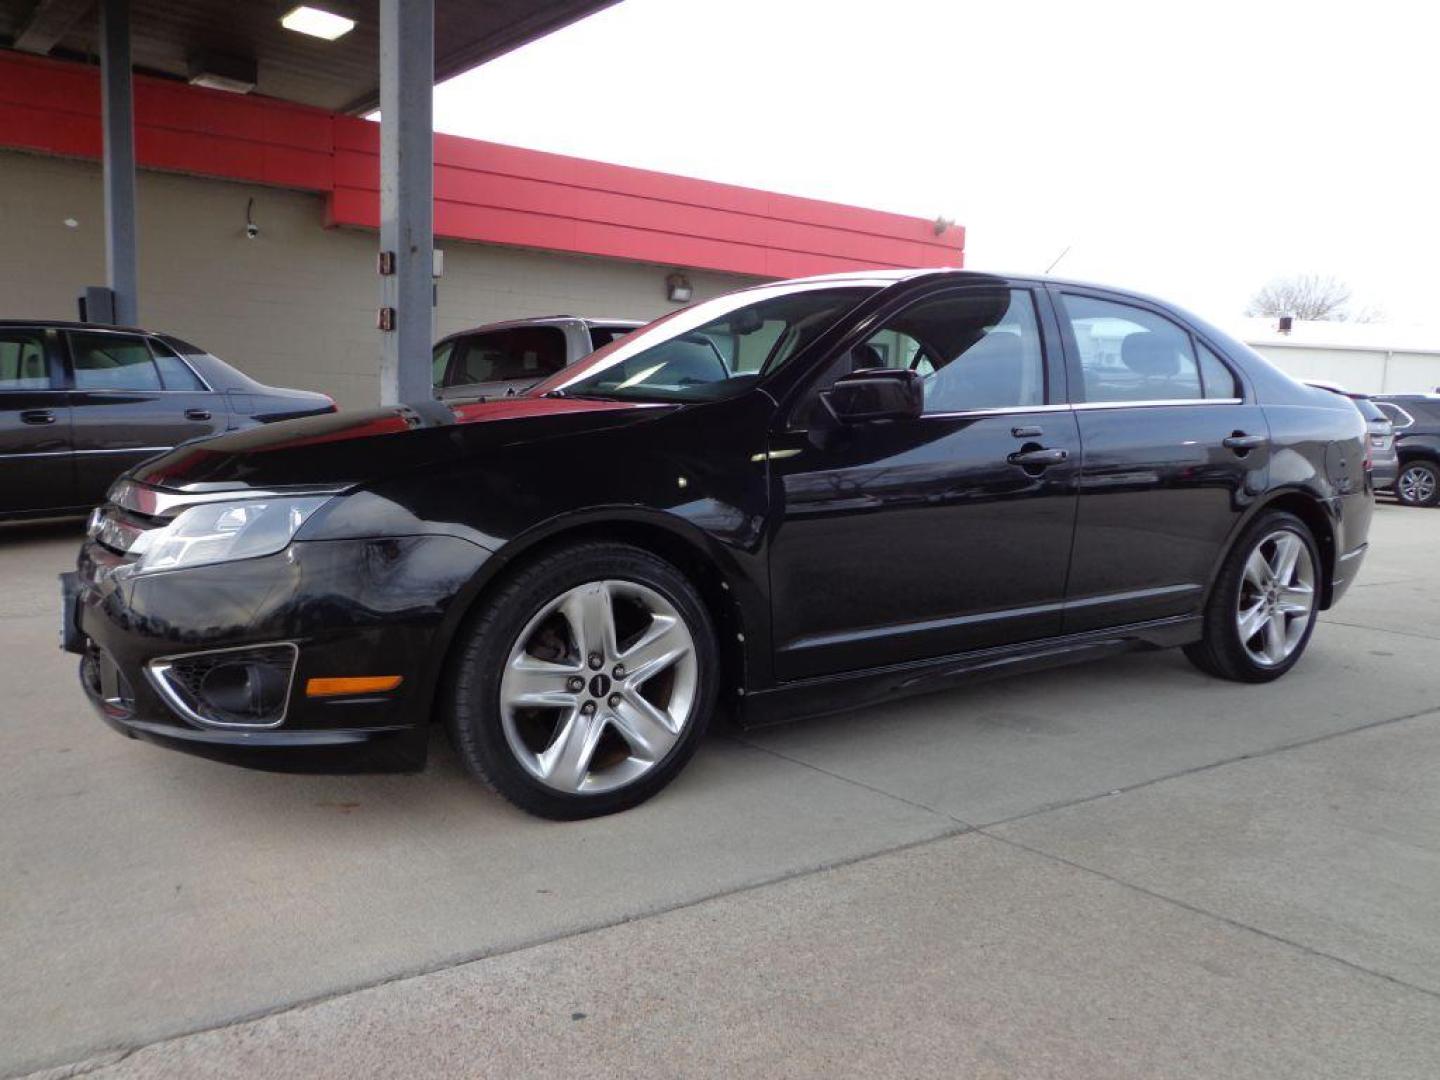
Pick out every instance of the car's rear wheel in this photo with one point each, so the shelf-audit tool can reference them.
(1418, 484)
(1263, 607)
(583, 686)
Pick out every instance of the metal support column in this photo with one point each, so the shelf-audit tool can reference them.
(118, 118)
(407, 144)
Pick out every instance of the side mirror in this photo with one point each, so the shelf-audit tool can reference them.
(876, 394)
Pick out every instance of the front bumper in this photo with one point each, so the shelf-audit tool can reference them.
(350, 608)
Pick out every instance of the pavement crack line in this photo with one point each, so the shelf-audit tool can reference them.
(1309, 950)
(1382, 630)
(1429, 710)
(849, 780)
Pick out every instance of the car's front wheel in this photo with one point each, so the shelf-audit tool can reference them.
(1263, 607)
(584, 684)
(1418, 484)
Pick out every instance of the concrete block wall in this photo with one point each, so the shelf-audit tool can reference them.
(296, 305)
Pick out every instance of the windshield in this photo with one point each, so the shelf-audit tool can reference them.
(711, 350)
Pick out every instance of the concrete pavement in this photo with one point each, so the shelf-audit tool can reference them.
(1257, 899)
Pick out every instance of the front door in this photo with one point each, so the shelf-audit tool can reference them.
(36, 471)
(905, 540)
(131, 402)
(1174, 451)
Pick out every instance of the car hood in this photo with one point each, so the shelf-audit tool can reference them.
(339, 450)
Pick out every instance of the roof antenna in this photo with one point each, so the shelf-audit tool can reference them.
(1056, 261)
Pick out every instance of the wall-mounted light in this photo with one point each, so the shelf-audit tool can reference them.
(677, 288)
(251, 229)
(220, 71)
(317, 22)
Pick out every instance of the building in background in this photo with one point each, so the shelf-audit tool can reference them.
(257, 219)
(1372, 358)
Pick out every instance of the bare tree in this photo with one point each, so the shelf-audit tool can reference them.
(1310, 297)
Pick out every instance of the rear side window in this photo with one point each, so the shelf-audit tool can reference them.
(1130, 354)
(1397, 416)
(600, 336)
(529, 352)
(174, 372)
(22, 360)
(1219, 381)
(113, 362)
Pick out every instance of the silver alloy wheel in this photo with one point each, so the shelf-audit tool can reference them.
(612, 697)
(1416, 485)
(1277, 598)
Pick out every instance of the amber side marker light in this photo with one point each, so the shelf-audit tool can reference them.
(353, 684)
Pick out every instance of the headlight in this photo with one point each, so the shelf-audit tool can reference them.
(224, 531)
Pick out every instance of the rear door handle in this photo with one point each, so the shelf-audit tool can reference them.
(1241, 441)
(37, 416)
(1038, 459)
(197, 414)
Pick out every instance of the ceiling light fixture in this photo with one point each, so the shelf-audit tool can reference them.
(316, 22)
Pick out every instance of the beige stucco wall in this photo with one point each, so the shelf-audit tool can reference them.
(295, 306)
(1370, 371)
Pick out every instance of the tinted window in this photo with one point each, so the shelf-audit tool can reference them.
(1368, 409)
(1130, 354)
(113, 362)
(531, 352)
(174, 372)
(713, 349)
(439, 359)
(1398, 417)
(22, 360)
(600, 336)
(979, 349)
(1219, 380)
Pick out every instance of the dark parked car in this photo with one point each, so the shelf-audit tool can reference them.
(507, 358)
(1416, 418)
(81, 403)
(1384, 461)
(890, 482)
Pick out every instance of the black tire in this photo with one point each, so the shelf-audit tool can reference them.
(472, 705)
(1221, 652)
(1426, 467)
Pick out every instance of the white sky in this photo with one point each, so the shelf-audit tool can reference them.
(1193, 151)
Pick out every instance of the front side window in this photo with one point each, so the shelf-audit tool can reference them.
(711, 350)
(113, 362)
(22, 361)
(439, 360)
(976, 349)
(1130, 354)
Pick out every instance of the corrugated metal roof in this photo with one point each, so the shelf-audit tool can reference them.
(341, 75)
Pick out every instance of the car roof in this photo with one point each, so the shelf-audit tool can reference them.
(545, 320)
(70, 324)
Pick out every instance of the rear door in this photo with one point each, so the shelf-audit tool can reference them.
(130, 402)
(36, 470)
(1173, 447)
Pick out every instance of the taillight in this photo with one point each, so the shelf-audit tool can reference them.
(1369, 464)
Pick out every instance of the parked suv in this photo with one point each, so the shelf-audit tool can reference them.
(801, 497)
(1416, 419)
(80, 403)
(503, 359)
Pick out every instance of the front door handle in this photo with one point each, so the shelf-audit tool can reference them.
(37, 416)
(1242, 442)
(1039, 458)
(197, 414)
(1029, 431)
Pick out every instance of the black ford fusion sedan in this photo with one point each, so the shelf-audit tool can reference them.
(796, 498)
